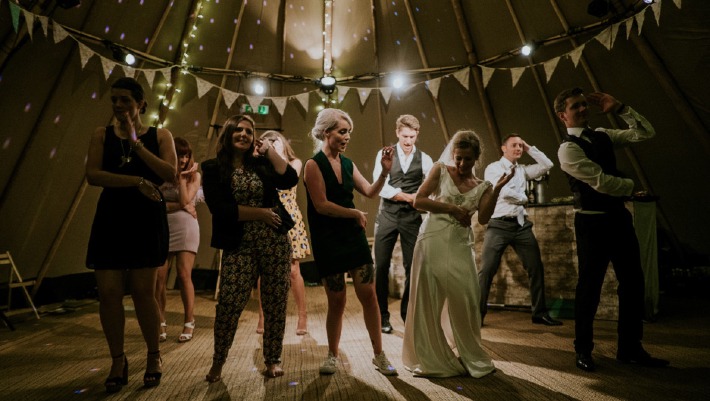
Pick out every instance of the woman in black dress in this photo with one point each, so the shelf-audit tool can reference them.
(338, 231)
(129, 236)
(240, 191)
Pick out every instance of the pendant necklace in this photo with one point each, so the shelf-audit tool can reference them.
(125, 158)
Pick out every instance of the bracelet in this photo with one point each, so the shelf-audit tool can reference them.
(620, 109)
(137, 145)
(140, 182)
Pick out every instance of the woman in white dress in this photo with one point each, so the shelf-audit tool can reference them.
(443, 336)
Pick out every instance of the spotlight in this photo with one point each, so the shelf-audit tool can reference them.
(326, 84)
(526, 50)
(122, 55)
(398, 81)
(258, 88)
(598, 8)
(648, 1)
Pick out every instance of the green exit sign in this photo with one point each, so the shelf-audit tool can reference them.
(262, 109)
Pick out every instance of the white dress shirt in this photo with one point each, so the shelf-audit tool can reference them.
(512, 199)
(405, 161)
(575, 162)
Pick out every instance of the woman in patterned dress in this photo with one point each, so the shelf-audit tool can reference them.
(299, 238)
(240, 190)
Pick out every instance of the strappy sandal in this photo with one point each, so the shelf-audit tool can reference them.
(185, 337)
(152, 379)
(116, 383)
(163, 331)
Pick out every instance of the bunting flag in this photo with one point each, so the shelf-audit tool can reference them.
(128, 71)
(605, 38)
(656, 7)
(576, 54)
(280, 104)
(30, 20)
(15, 15)
(407, 87)
(254, 101)
(677, 3)
(486, 74)
(516, 73)
(639, 21)
(107, 66)
(613, 33)
(85, 53)
(44, 21)
(550, 67)
(229, 97)
(59, 32)
(386, 94)
(166, 73)
(149, 76)
(303, 99)
(364, 94)
(462, 76)
(629, 26)
(202, 86)
(433, 86)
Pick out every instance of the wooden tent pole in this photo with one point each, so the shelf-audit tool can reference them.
(551, 117)
(380, 121)
(425, 64)
(493, 130)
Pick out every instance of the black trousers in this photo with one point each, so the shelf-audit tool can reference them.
(604, 238)
(389, 225)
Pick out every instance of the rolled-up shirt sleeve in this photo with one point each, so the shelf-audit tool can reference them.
(575, 162)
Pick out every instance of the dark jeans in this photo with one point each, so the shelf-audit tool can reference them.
(499, 235)
(405, 224)
(604, 238)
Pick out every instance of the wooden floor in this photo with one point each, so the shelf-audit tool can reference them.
(64, 356)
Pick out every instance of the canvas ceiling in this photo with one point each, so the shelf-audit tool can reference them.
(53, 93)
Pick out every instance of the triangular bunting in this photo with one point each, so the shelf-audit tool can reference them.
(254, 101)
(229, 97)
(59, 32)
(576, 54)
(677, 3)
(614, 32)
(129, 71)
(203, 86)
(363, 93)
(640, 17)
(303, 99)
(629, 26)
(85, 53)
(30, 20)
(107, 65)
(516, 73)
(44, 21)
(149, 76)
(433, 85)
(605, 38)
(486, 74)
(280, 104)
(386, 94)
(15, 15)
(462, 76)
(550, 67)
(407, 87)
(166, 73)
(656, 7)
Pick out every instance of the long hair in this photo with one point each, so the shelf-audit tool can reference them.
(288, 150)
(182, 148)
(225, 148)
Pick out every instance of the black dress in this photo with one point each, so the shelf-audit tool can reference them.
(339, 245)
(129, 231)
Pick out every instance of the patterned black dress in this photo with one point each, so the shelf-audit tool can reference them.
(129, 231)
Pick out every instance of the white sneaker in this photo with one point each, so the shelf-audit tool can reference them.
(383, 365)
(328, 366)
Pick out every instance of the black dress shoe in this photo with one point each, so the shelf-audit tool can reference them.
(642, 358)
(386, 326)
(546, 320)
(585, 362)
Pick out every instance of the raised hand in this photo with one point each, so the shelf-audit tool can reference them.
(605, 102)
(504, 179)
(386, 162)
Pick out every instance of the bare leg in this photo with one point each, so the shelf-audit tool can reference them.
(161, 294)
(260, 324)
(185, 261)
(299, 295)
(112, 315)
(335, 291)
(143, 294)
(364, 283)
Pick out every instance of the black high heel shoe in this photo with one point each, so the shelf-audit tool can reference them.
(152, 379)
(114, 384)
